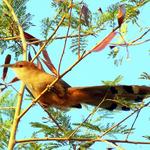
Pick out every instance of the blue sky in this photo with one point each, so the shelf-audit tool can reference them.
(97, 67)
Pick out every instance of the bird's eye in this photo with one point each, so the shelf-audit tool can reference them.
(20, 66)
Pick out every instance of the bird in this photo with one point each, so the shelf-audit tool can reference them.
(61, 95)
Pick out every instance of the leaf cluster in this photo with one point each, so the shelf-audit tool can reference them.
(9, 28)
(78, 44)
(7, 104)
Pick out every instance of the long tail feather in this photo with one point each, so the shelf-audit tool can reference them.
(111, 97)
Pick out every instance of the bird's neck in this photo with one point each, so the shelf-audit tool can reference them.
(30, 75)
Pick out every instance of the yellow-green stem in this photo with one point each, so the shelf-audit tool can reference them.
(12, 139)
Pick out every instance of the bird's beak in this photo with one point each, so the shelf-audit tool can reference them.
(7, 65)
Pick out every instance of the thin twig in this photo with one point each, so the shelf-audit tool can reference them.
(142, 42)
(31, 140)
(63, 37)
(140, 37)
(7, 108)
(9, 38)
(110, 129)
(92, 112)
(134, 42)
(64, 48)
(48, 40)
(53, 119)
(133, 123)
(126, 44)
(8, 84)
(79, 36)
(41, 41)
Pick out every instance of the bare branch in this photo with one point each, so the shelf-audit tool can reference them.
(110, 129)
(133, 123)
(90, 114)
(50, 38)
(11, 143)
(53, 119)
(31, 140)
(140, 37)
(64, 48)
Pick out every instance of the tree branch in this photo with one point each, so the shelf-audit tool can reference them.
(31, 140)
(107, 131)
(50, 38)
(11, 143)
(64, 48)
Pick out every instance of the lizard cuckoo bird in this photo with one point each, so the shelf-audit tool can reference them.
(62, 95)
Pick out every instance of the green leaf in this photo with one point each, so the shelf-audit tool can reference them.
(114, 82)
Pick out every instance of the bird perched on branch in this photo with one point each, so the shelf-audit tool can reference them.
(62, 95)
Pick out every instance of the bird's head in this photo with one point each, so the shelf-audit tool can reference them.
(22, 69)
